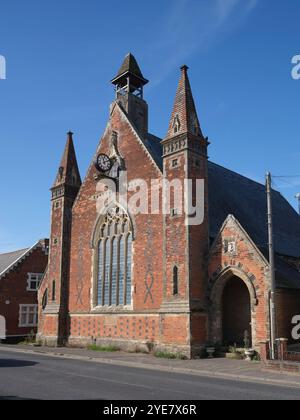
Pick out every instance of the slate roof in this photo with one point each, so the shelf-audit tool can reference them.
(9, 261)
(6, 260)
(232, 193)
(154, 146)
(287, 277)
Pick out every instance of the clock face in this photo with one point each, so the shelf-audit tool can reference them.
(103, 163)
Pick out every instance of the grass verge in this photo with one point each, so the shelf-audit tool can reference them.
(104, 349)
(170, 356)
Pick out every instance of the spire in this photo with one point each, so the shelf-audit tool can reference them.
(184, 117)
(68, 172)
(130, 68)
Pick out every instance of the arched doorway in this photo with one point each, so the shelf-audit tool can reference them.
(236, 312)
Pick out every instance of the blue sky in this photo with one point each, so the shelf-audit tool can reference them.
(61, 55)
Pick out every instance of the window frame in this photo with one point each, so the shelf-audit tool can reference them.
(27, 324)
(39, 278)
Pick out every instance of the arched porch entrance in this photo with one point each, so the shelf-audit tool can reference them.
(233, 303)
(236, 312)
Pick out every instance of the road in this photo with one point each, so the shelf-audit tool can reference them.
(24, 376)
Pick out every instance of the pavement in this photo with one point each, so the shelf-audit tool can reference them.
(238, 370)
(45, 375)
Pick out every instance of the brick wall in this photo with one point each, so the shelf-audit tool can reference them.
(147, 258)
(13, 288)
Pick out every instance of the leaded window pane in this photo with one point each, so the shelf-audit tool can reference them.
(128, 271)
(114, 272)
(100, 273)
(114, 260)
(122, 271)
(107, 273)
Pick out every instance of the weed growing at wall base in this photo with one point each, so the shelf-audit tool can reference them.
(2, 68)
(104, 349)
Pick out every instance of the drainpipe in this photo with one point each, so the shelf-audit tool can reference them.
(272, 267)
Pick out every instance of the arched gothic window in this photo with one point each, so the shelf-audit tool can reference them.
(114, 251)
(45, 300)
(53, 291)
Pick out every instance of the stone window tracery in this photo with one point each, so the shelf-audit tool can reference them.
(114, 252)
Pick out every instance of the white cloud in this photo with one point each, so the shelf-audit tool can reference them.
(286, 183)
(192, 25)
(224, 8)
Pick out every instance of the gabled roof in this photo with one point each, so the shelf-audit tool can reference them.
(287, 276)
(6, 260)
(232, 193)
(9, 261)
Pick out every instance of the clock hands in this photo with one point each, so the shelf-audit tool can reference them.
(103, 163)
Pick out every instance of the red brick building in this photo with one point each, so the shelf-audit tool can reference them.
(150, 279)
(20, 275)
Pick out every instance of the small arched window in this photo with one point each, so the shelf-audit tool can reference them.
(114, 253)
(175, 281)
(53, 291)
(45, 299)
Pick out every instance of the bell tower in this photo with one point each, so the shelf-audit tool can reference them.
(129, 84)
